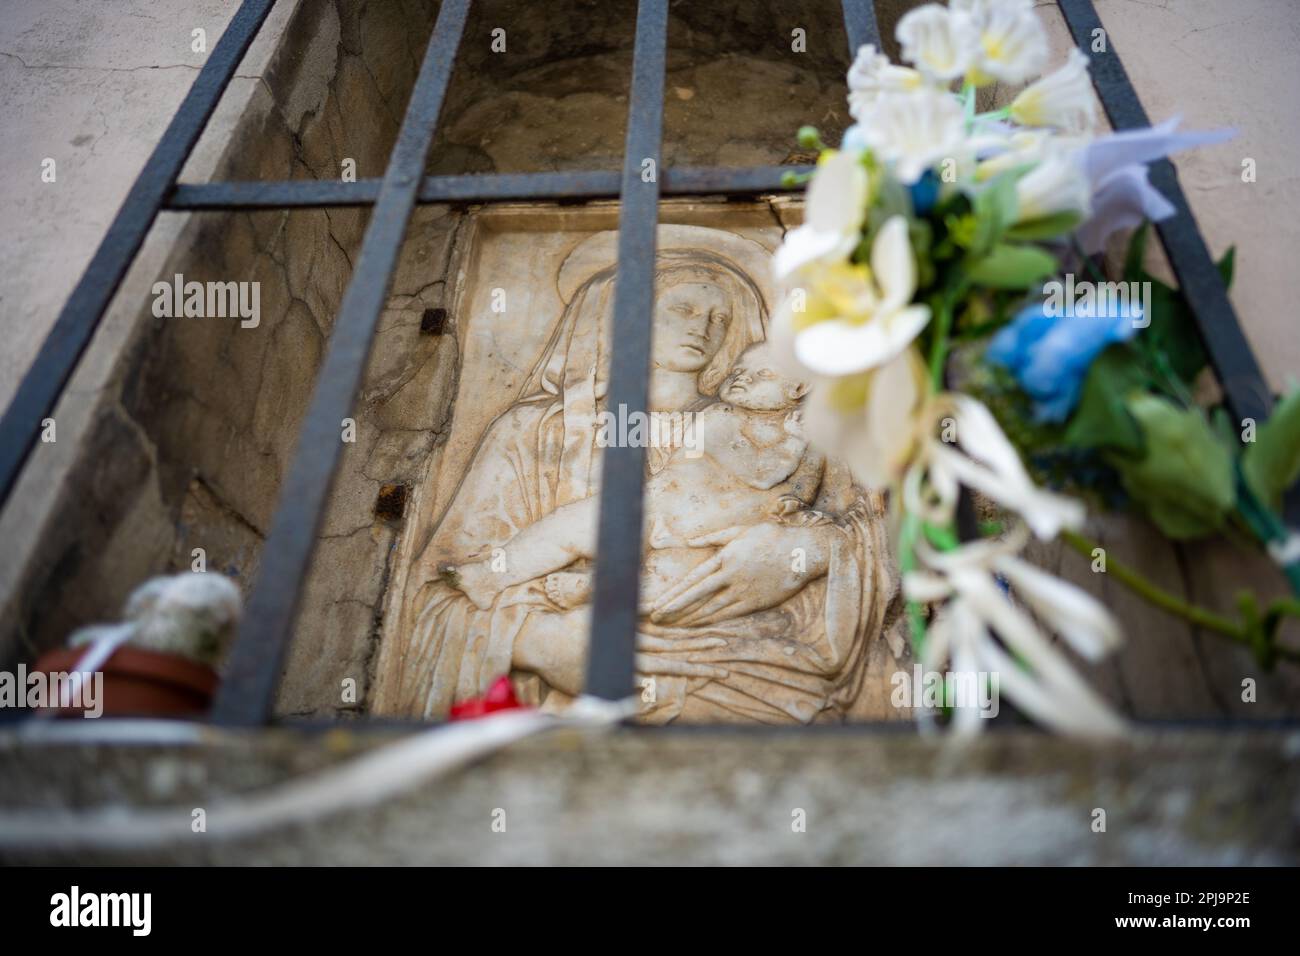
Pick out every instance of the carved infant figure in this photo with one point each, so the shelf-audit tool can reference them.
(752, 459)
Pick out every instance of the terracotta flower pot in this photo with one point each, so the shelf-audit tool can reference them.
(140, 683)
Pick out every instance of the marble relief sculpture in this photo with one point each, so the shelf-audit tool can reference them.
(767, 588)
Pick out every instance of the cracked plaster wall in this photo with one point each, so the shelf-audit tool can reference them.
(188, 445)
(556, 98)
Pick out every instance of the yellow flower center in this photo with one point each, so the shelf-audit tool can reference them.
(849, 394)
(995, 47)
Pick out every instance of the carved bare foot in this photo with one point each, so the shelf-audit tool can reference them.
(568, 589)
(476, 580)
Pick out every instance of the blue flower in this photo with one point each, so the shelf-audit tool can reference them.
(1049, 354)
(925, 191)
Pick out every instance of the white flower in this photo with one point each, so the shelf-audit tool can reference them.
(1038, 679)
(889, 430)
(872, 75)
(1012, 40)
(835, 210)
(982, 459)
(1056, 185)
(1062, 99)
(1012, 150)
(914, 130)
(867, 418)
(942, 43)
(854, 318)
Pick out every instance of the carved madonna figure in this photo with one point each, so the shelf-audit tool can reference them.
(768, 589)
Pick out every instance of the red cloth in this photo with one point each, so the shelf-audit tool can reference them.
(500, 696)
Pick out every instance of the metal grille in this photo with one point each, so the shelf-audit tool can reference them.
(247, 693)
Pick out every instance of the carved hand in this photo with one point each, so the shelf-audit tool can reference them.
(758, 567)
(554, 647)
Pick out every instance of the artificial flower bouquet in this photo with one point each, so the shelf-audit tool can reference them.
(943, 297)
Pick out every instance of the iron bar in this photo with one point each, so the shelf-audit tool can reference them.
(474, 188)
(860, 25)
(247, 693)
(611, 668)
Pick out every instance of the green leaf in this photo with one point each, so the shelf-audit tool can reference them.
(1134, 271)
(1171, 339)
(892, 199)
(1137, 247)
(994, 208)
(1172, 332)
(1185, 482)
(1046, 227)
(1271, 463)
(1221, 422)
(962, 230)
(943, 538)
(1102, 419)
(921, 235)
(1013, 267)
(1227, 266)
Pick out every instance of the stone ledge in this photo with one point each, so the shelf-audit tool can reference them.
(712, 795)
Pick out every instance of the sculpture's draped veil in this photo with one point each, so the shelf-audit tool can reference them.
(575, 361)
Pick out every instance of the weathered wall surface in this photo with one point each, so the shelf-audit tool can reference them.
(177, 431)
(91, 86)
(556, 98)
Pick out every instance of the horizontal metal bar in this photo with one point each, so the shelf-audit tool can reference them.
(284, 194)
(41, 387)
(704, 180)
(485, 187)
(1245, 392)
(246, 696)
(611, 656)
(860, 25)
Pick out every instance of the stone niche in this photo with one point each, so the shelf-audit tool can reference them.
(176, 434)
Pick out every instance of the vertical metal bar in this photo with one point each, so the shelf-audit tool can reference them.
(1244, 389)
(247, 693)
(41, 387)
(860, 25)
(611, 658)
